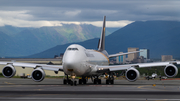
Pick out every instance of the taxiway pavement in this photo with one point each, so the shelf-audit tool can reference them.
(53, 90)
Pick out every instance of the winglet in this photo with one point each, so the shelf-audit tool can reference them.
(101, 46)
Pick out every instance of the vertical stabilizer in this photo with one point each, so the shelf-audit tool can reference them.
(101, 46)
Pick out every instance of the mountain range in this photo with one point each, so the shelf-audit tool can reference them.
(24, 41)
(160, 37)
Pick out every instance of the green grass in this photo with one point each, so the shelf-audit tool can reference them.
(1, 75)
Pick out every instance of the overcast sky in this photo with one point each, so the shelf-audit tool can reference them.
(38, 13)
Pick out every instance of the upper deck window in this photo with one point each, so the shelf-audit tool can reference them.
(72, 49)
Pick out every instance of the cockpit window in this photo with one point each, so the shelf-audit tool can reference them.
(72, 49)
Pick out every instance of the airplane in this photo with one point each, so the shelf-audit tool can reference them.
(84, 63)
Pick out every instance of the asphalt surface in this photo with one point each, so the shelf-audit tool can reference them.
(27, 59)
(53, 90)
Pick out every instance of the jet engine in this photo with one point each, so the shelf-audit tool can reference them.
(38, 75)
(8, 71)
(132, 74)
(170, 70)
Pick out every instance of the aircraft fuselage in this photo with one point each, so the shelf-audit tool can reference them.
(79, 61)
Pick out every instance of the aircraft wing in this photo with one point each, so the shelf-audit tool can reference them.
(31, 65)
(140, 65)
(119, 54)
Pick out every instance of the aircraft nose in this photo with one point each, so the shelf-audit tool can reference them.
(70, 63)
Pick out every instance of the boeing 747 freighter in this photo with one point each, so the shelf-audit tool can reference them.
(84, 63)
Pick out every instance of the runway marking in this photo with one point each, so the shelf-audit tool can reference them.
(8, 83)
(146, 87)
(140, 86)
(101, 85)
(38, 89)
(123, 99)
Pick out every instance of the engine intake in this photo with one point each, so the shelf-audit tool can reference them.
(38, 75)
(132, 74)
(170, 70)
(8, 71)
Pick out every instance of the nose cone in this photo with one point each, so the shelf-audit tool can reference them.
(72, 62)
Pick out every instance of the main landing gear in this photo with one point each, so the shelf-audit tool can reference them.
(97, 80)
(83, 80)
(110, 79)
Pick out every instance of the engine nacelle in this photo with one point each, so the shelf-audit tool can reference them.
(132, 74)
(170, 70)
(8, 71)
(38, 75)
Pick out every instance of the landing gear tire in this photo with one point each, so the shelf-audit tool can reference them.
(74, 83)
(64, 81)
(109, 81)
(97, 81)
(71, 83)
(112, 81)
(84, 81)
(80, 81)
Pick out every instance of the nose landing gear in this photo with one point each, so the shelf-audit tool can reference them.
(73, 81)
(70, 81)
(66, 79)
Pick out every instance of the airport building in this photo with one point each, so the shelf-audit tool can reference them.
(131, 57)
(166, 58)
(140, 59)
(121, 59)
(144, 53)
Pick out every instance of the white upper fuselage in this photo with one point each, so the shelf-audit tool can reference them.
(82, 62)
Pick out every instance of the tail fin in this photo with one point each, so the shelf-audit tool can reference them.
(101, 46)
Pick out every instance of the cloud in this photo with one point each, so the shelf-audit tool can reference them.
(54, 12)
(109, 23)
(24, 23)
(15, 14)
(72, 13)
(20, 19)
